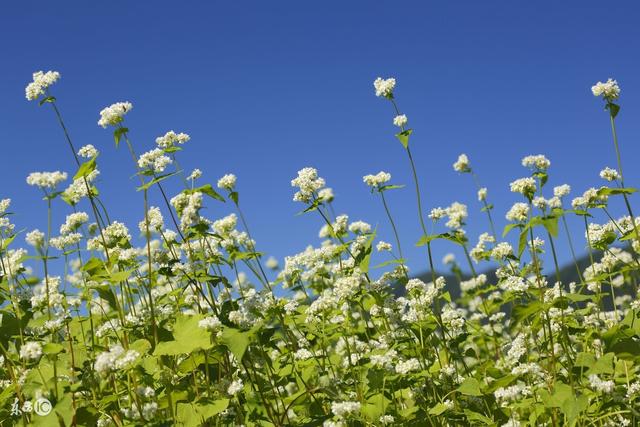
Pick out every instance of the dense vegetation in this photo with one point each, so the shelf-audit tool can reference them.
(184, 323)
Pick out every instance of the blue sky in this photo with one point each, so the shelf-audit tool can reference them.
(266, 88)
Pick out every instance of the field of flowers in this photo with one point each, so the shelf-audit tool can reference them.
(185, 327)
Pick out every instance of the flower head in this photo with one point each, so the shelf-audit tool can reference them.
(46, 180)
(377, 180)
(537, 162)
(400, 120)
(308, 183)
(462, 164)
(113, 114)
(171, 138)
(384, 87)
(41, 81)
(609, 90)
(227, 182)
(154, 160)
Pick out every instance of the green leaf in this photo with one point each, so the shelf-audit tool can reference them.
(46, 100)
(614, 109)
(522, 242)
(403, 137)
(390, 187)
(155, 181)
(85, 169)
(52, 348)
(439, 409)
(187, 337)
(236, 341)
(209, 191)
(508, 228)
(477, 417)
(470, 387)
(117, 134)
(196, 414)
(551, 224)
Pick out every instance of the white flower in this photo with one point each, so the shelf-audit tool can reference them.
(384, 87)
(227, 182)
(502, 250)
(156, 221)
(88, 151)
(536, 162)
(4, 205)
(608, 90)
(41, 81)
(359, 227)
(462, 164)
(448, 259)
(35, 238)
(73, 222)
(400, 120)
(272, 263)
(524, 186)
(308, 183)
(46, 180)
(404, 367)
(482, 194)
(609, 174)
(383, 246)
(561, 190)
(171, 138)
(115, 359)
(211, 323)
(601, 386)
(31, 351)
(195, 174)
(235, 387)
(154, 160)
(341, 409)
(377, 180)
(303, 354)
(514, 284)
(326, 195)
(113, 114)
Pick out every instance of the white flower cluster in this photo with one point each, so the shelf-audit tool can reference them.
(195, 174)
(525, 186)
(35, 238)
(383, 246)
(308, 183)
(117, 358)
(227, 182)
(482, 194)
(519, 212)
(342, 409)
(400, 120)
(537, 162)
(601, 386)
(78, 188)
(384, 87)
(46, 180)
(171, 138)
(88, 151)
(562, 190)
(462, 164)
(41, 81)
(457, 214)
(31, 351)
(235, 387)
(588, 199)
(73, 222)
(609, 90)
(156, 221)
(377, 180)
(609, 174)
(154, 160)
(406, 366)
(514, 284)
(513, 393)
(113, 114)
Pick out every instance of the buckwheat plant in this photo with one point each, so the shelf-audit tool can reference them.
(179, 319)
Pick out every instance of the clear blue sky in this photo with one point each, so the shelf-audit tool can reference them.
(266, 88)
